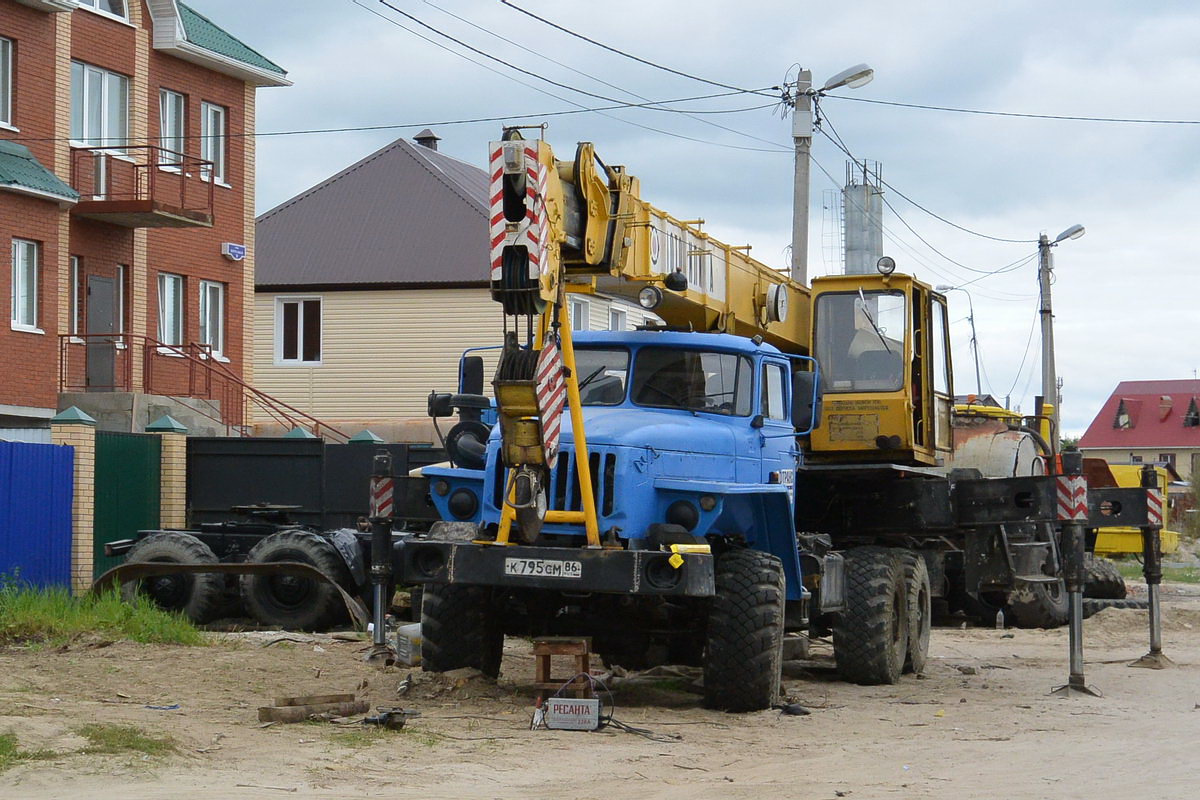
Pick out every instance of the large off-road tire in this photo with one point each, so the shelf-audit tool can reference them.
(1102, 579)
(292, 601)
(920, 610)
(1038, 605)
(743, 651)
(870, 638)
(199, 596)
(1092, 605)
(460, 627)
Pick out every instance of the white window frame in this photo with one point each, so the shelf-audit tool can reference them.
(76, 264)
(210, 291)
(6, 83)
(172, 127)
(580, 312)
(618, 319)
(26, 263)
(214, 144)
(94, 7)
(81, 99)
(120, 327)
(175, 314)
(298, 361)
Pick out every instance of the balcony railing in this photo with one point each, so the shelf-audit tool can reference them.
(142, 186)
(103, 362)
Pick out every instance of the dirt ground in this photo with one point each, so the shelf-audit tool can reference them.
(979, 724)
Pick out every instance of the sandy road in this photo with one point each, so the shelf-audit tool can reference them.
(979, 724)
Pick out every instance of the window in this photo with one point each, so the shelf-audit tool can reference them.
(170, 308)
(6, 81)
(616, 319)
(579, 313)
(120, 326)
(1192, 418)
(99, 106)
(1167, 458)
(74, 295)
(1123, 420)
(171, 126)
(861, 339)
(114, 7)
(718, 383)
(1134, 459)
(212, 141)
(602, 374)
(24, 285)
(772, 392)
(212, 316)
(298, 330)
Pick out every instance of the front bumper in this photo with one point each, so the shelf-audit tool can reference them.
(630, 572)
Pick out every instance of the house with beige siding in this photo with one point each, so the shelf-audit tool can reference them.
(373, 283)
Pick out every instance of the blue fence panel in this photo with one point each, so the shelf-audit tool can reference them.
(35, 512)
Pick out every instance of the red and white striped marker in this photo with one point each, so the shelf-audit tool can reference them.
(1072, 498)
(1154, 508)
(531, 233)
(551, 397)
(382, 490)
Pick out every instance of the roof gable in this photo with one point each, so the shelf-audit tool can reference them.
(1161, 414)
(187, 34)
(405, 214)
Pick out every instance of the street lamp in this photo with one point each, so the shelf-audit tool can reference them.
(802, 132)
(974, 340)
(1049, 377)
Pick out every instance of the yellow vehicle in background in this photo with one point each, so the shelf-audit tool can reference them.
(1128, 541)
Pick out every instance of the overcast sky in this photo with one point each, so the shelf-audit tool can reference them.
(1125, 296)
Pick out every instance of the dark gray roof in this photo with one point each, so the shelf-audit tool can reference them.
(405, 214)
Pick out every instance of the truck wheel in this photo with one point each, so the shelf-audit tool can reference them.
(920, 610)
(1038, 605)
(199, 596)
(292, 601)
(460, 627)
(1103, 580)
(870, 638)
(743, 652)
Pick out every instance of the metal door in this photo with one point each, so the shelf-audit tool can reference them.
(101, 319)
(128, 468)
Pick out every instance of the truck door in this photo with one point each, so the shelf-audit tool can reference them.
(778, 446)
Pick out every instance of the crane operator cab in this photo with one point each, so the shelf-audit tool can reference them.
(882, 343)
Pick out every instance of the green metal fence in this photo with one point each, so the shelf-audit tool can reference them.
(128, 467)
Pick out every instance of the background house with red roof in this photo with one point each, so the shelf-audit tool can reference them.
(1149, 422)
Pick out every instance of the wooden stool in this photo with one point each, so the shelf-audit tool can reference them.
(545, 649)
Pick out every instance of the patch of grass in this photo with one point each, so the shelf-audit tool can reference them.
(11, 754)
(53, 617)
(106, 738)
(1132, 569)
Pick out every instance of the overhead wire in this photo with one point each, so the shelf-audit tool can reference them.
(1023, 115)
(619, 52)
(623, 104)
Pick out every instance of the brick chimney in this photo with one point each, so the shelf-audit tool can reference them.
(427, 138)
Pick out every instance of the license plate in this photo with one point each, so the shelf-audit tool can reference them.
(542, 568)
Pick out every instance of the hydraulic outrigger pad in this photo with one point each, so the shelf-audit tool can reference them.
(1073, 513)
(1152, 569)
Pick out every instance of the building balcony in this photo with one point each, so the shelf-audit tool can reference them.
(142, 186)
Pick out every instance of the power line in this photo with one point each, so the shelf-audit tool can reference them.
(638, 59)
(1066, 117)
(1024, 356)
(550, 94)
(600, 80)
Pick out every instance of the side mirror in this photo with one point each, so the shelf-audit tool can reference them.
(806, 401)
(470, 375)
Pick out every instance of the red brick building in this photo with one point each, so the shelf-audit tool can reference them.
(127, 198)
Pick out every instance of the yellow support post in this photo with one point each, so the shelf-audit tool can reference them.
(583, 468)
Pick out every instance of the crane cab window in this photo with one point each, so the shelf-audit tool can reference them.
(693, 380)
(773, 406)
(861, 340)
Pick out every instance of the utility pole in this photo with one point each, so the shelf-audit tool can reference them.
(802, 133)
(1049, 378)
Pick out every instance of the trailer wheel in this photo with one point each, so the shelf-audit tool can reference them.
(291, 601)
(199, 596)
(1103, 581)
(743, 652)
(870, 638)
(460, 627)
(1038, 605)
(920, 610)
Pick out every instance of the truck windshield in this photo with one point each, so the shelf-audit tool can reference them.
(602, 374)
(860, 339)
(718, 383)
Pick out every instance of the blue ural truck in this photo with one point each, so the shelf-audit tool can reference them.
(773, 458)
